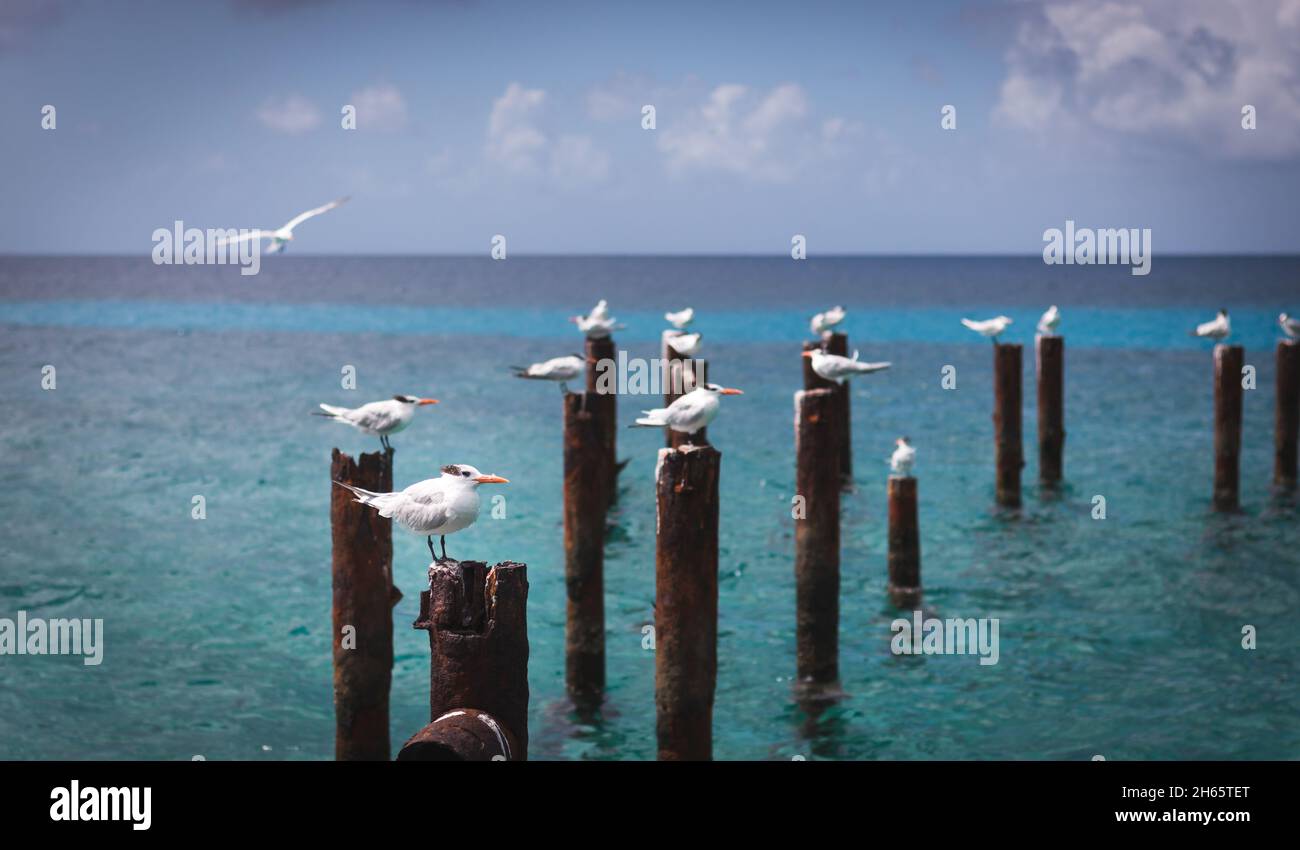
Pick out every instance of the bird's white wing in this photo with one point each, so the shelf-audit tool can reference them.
(425, 507)
(244, 237)
(689, 409)
(301, 217)
(376, 416)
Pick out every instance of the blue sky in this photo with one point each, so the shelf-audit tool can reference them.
(822, 119)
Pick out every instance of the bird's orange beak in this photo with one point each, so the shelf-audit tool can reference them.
(428, 401)
(730, 391)
(808, 353)
(492, 479)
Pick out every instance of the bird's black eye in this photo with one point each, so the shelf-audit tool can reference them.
(466, 474)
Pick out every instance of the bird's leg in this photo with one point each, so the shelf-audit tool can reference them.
(432, 554)
(443, 540)
(564, 387)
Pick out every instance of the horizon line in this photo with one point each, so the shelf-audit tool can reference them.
(664, 255)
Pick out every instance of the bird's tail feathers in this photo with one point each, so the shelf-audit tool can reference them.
(375, 500)
(331, 411)
(650, 419)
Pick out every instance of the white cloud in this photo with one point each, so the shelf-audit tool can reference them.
(1167, 71)
(517, 142)
(513, 138)
(380, 107)
(740, 131)
(292, 114)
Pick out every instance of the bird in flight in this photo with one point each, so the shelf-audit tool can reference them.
(824, 323)
(379, 418)
(441, 506)
(562, 369)
(836, 367)
(681, 319)
(284, 235)
(688, 414)
(1047, 324)
(1216, 329)
(903, 458)
(991, 328)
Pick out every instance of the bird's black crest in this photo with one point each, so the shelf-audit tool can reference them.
(401, 398)
(451, 469)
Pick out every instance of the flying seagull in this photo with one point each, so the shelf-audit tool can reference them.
(1216, 329)
(379, 418)
(441, 506)
(991, 328)
(283, 236)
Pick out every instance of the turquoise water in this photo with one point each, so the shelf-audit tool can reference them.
(1119, 637)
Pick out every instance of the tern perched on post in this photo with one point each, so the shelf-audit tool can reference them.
(688, 414)
(687, 345)
(379, 418)
(1290, 326)
(441, 506)
(822, 323)
(991, 328)
(681, 319)
(282, 237)
(1216, 329)
(903, 458)
(562, 369)
(597, 324)
(1047, 324)
(836, 367)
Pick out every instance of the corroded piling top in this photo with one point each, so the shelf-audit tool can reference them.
(478, 641)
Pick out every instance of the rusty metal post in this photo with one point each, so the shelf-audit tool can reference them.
(477, 620)
(1050, 351)
(584, 551)
(1228, 360)
(686, 601)
(817, 543)
(605, 408)
(1009, 454)
(1287, 414)
(836, 343)
(904, 543)
(364, 596)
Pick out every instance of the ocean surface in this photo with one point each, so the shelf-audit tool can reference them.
(1120, 637)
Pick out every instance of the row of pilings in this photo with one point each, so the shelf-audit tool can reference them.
(476, 616)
